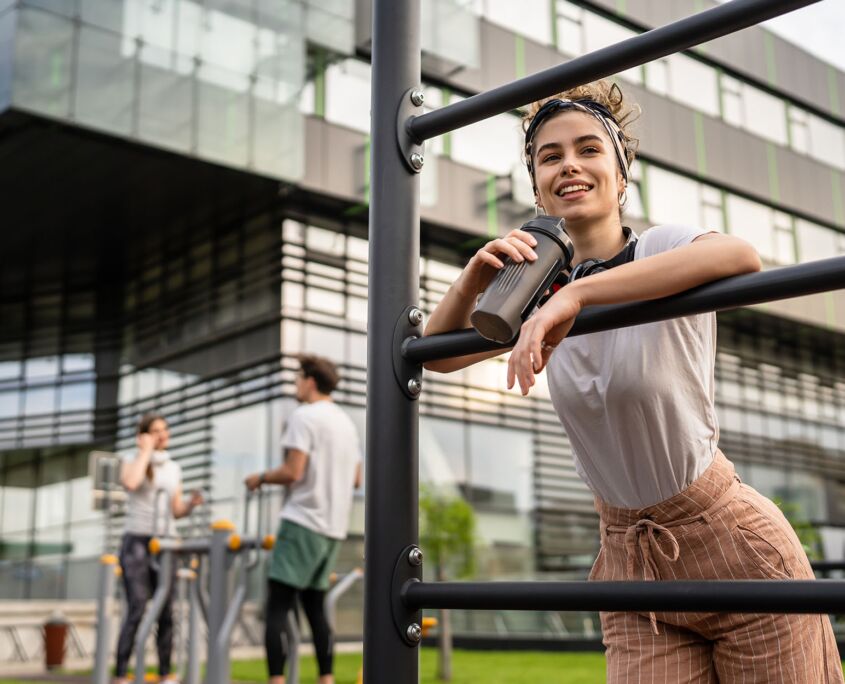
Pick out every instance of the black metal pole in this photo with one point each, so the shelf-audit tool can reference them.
(391, 472)
(730, 293)
(659, 42)
(746, 596)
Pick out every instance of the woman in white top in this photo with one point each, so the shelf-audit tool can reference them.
(637, 404)
(154, 483)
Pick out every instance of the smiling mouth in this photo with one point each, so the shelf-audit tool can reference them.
(573, 190)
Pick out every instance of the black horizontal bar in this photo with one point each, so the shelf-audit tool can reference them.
(646, 47)
(719, 596)
(744, 290)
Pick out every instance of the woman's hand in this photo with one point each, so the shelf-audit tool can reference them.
(146, 442)
(539, 336)
(253, 481)
(488, 260)
(196, 499)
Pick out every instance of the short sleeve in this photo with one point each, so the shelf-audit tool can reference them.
(298, 434)
(667, 237)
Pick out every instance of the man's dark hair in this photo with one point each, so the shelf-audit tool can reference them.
(322, 370)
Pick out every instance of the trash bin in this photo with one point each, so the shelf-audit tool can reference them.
(55, 633)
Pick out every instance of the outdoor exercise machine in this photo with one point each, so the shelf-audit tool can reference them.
(223, 551)
(395, 594)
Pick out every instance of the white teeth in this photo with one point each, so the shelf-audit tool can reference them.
(573, 188)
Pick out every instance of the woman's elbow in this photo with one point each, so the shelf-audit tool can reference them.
(439, 366)
(749, 260)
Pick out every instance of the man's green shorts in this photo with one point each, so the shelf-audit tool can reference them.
(302, 558)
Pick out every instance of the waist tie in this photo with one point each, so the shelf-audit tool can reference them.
(651, 538)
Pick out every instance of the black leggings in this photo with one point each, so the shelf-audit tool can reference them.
(140, 582)
(281, 599)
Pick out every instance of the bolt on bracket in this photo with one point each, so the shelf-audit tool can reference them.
(407, 620)
(408, 374)
(410, 149)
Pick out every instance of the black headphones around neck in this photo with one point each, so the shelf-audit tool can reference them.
(590, 266)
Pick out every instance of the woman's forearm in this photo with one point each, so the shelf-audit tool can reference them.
(452, 313)
(707, 259)
(132, 474)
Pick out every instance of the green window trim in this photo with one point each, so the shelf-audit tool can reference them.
(771, 61)
(519, 55)
(320, 64)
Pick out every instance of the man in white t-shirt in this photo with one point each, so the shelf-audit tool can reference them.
(322, 466)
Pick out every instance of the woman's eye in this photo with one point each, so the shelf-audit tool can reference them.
(590, 150)
(551, 157)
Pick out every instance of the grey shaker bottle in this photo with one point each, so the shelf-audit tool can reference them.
(514, 292)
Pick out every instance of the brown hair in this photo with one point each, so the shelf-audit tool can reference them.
(144, 425)
(322, 370)
(605, 93)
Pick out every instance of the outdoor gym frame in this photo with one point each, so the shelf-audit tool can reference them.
(394, 592)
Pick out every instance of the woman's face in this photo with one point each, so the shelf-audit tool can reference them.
(161, 433)
(575, 169)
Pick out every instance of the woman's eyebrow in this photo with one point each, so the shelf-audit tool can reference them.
(590, 137)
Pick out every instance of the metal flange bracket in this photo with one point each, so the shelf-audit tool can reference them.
(408, 374)
(408, 569)
(411, 151)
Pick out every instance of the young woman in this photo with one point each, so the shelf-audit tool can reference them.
(154, 483)
(637, 404)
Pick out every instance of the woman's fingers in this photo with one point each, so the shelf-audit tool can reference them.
(515, 248)
(522, 236)
(490, 259)
(526, 359)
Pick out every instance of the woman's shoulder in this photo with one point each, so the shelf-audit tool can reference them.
(666, 236)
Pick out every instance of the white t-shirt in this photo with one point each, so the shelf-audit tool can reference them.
(145, 503)
(637, 402)
(322, 499)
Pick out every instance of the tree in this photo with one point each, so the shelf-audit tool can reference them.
(447, 538)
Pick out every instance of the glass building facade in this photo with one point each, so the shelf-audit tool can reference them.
(187, 196)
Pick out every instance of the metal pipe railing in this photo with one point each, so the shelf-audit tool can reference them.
(730, 293)
(648, 46)
(721, 596)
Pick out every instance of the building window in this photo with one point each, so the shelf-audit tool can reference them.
(600, 32)
(799, 133)
(827, 141)
(784, 238)
(673, 198)
(766, 114)
(570, 28)
(529, 18)
(712, 210)
(752, 221)
(731, 100)
(657, 76)
(815, 241)
(693, 83)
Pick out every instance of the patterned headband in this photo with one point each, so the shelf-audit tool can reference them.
(595, 109)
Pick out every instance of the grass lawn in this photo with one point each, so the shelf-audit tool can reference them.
(468, 667)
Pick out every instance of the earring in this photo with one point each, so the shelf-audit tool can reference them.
(538, 210)
(623, 198)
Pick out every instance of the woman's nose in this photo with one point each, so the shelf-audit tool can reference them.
(568, 167)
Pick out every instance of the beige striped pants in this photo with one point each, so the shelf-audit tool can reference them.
(717, 528)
